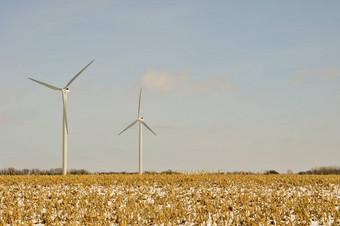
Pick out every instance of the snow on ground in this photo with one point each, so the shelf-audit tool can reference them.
(181, 200)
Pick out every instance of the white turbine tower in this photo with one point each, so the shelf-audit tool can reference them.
(141, 123)
(64, 92)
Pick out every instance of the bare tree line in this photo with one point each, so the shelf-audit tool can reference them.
(54, 171)
(325, 170)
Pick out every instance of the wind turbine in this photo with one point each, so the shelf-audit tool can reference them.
(141, 123)
(64, 92)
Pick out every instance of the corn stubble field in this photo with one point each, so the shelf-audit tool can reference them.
(196, 199)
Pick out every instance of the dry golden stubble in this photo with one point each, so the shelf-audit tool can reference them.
(173, 199)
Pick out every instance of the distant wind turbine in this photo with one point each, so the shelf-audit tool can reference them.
(141, 123)
(64, 92)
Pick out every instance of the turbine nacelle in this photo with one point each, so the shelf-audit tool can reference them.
(65, 90)
(141, 119)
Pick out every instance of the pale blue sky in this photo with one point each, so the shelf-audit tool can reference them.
(229, 85)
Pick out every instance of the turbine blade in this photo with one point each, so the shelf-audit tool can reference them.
(128, 126)
(148, 128)
(140, 97)
(68, 84)
(65, 112)
(45, 84)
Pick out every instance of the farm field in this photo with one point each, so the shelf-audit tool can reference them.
(176, 199)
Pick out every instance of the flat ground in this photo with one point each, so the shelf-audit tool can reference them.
(170, 199)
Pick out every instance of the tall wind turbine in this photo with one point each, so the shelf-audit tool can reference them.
(64, 92)
(141, 123)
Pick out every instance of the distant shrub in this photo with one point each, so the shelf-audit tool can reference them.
(55, 171)
(169, 171)
(270, 172)
(151, 172)
(79, 172)
(290, 172)
(326, 170)
(237, 173)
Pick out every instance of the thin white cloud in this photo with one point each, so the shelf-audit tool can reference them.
(313, 75)
(300, 77)
(214, 83)
(219, 128)
(330, 75)
(6, 118)
(164, 80)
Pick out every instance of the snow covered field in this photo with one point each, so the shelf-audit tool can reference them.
(171, 199)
